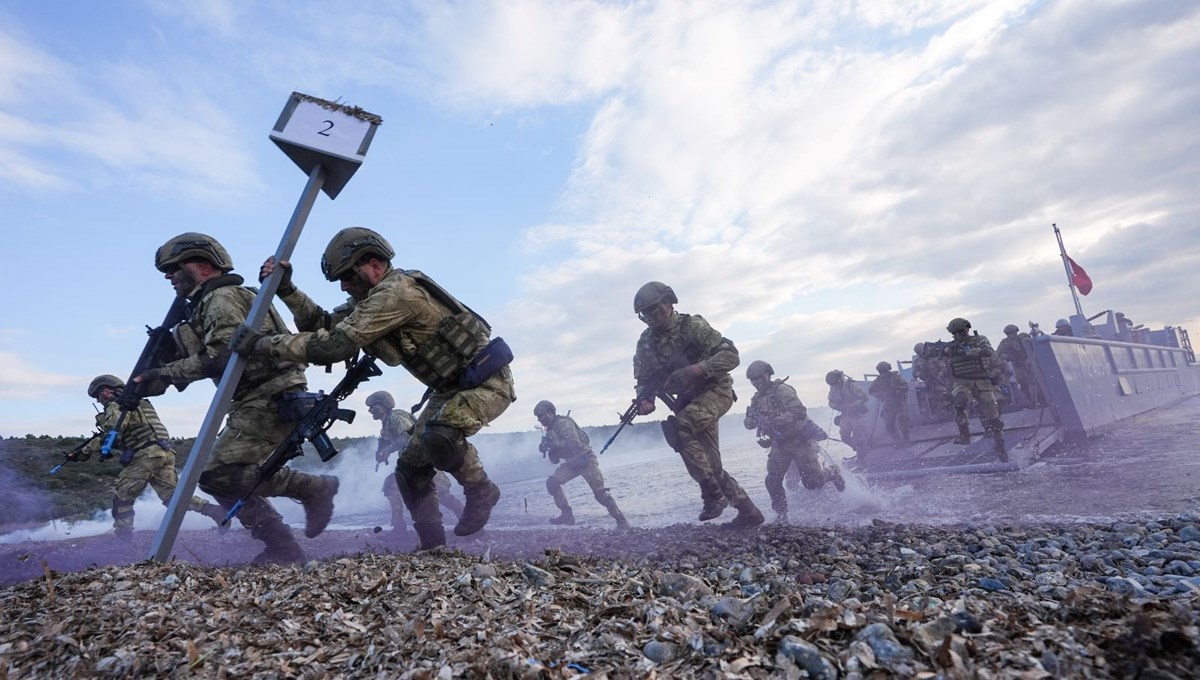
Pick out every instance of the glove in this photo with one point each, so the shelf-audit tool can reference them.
(683, 379)
(764, 442)
(245, 340)
(286, 287)
(153, 382)
(544, 446)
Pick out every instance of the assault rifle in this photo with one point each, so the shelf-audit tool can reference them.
(70, 456)
(648, 393)
(159, 348)
(313, 428)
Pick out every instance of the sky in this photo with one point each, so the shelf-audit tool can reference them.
(827, 183)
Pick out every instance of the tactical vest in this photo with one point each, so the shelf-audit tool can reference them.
(141, 428)
(660, 356)
(260, 368)
(967, 367)
(562, 443)
(439, 360)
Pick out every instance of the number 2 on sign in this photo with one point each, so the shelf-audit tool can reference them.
(325, 132)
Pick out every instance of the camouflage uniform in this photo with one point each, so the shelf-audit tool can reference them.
(693, 430)
(565, 441)
(850, 402)
(393, 437)
(401, 322)
(969, 362)
(891, 389)
(778, 413)
(255, 425)
(1012, 350)
(147, 459)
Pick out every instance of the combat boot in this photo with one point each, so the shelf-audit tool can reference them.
(567, 517)
(835, 476)
(714, 502)
(781, 517)
(964, 435)
(610, 504)
(432, 534)
(748, 516)
(318, 505)
(281, 553)
(216, 514)
(996, 429)
(481, 498)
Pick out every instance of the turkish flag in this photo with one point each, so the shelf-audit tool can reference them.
(1079, 277)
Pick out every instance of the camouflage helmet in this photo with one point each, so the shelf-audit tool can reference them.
(958, 325)
(1061, 322)
(653, 293)
(883, 367)
(834, 377)
(543, 407)
(350, 245)
(919, 349)
(381, 398)
(759, 369)
(188, 246)
(1010, 329)
(101, 381)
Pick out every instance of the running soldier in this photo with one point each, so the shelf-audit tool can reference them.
(783, 425)
(564, 441)
(850, 402)
(406, 319)
(683, 361)
(891, 389)
(396, 429)
(148, 458)
(267, 402)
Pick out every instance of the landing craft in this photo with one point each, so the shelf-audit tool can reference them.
(1092, 381)
(1091, 378)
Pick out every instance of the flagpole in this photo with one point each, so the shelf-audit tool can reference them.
(1062, 251)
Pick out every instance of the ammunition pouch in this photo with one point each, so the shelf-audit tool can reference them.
(293, 406)
(493, 357)
(127, 457)
(440, 361)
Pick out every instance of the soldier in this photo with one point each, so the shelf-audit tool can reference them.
(1063, 327)
(783, 425)
(683, 361)
(565, 441)
(850, 402)
(393, 436)
(891, 389)
(925, 370)
(148, 457)
(267, 402)
(1012, 350)
(406, 319)
(969, 356)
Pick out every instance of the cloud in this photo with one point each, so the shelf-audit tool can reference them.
(82, 126)
(832, 206)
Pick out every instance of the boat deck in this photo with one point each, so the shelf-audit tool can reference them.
(1027, 434)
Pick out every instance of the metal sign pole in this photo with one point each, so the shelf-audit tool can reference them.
(164, 540)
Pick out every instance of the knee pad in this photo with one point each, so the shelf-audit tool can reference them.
(553, 485)
(413, 483)
(962, 400)
(670, 429)
(445, 446)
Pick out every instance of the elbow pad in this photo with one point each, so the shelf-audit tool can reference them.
(330, 349)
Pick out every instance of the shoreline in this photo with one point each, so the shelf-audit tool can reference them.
(1050, 600)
